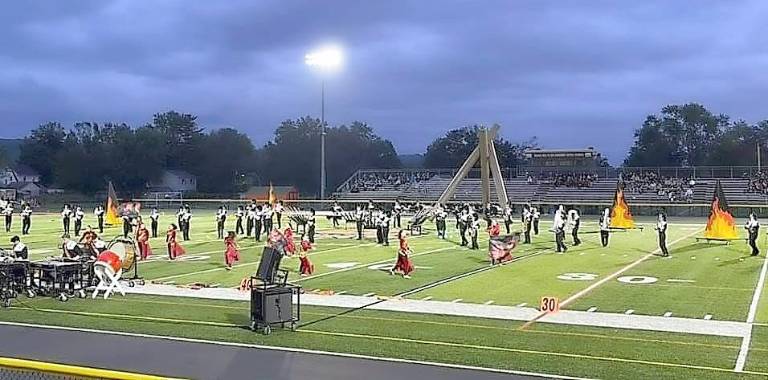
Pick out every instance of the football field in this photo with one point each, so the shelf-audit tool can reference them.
(625, 312)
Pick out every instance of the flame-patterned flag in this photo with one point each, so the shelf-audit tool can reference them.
(272, 197)
(112, 217)
(720, 224)
(621, 217)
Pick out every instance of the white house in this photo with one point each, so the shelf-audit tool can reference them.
(174, 181)
(18, 174)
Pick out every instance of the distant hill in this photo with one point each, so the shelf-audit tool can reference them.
(11, 148)
(412, 161)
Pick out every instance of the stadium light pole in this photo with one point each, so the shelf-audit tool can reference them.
(326, 58)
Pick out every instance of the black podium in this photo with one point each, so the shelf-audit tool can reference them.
(272, 297)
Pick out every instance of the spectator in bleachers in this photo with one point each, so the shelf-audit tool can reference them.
(674, 189)
(578, 180)
(758, 183)
(384, 180)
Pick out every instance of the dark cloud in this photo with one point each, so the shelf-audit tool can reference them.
(574, 74)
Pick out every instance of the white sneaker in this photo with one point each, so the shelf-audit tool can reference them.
(406, 276)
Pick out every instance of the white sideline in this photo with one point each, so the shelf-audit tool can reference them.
(514, 313)
(741, 360)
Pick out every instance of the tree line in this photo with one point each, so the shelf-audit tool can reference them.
(87, 155)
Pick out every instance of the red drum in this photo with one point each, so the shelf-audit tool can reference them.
(109, 259)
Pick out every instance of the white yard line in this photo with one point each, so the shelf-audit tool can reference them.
(514, 313)
(236, 266)
(368, 264)
(620, 271)
(741, 360)
(457, 300)
(488, 302)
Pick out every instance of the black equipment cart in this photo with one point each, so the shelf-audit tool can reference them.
(13, 280)
(272, 297)
(59, 279)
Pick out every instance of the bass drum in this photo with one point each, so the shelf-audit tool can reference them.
(108, 259)
(126, 250)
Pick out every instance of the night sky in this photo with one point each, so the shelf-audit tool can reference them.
(574, 74)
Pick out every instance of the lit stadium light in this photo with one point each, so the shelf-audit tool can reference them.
(327, 58)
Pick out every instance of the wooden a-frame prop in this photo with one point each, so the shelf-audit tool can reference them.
(485, 153)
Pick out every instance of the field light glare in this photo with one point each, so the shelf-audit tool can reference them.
(326, 58)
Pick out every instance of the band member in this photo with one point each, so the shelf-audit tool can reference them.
(258, 219)
(66, 214)
(187, 219)
(20, 250)
(79, 215)
(527, 224)
(221, 219)
(174, 248)
(306, 268)
(279, 208)
(98, 212)
(71, 250)
(535, 216)
(154, 218)
(575, 222)
(267, 213)
(385, 223)
(142, 241)
(26, 219)
(397, 210)
(336, 211)
(126, 218)
(8, 212)
(508, 217)
(359, 215)
(290, 246)
(87, 241)
(495, 229)
(464, 221)
(559, 226)
(474, 230)
(371, 208)
(180, 216)
(250, 219)
(753, 227)
(440, 216)
(605, 226)
(232, 250)
(661, 228)
(403, 265)
(311, 226)
(239, 214)
(379, 228)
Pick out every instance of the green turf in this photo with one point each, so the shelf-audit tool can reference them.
(720, 281)
(553, 349)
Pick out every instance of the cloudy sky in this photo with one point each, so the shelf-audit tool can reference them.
(572, 73)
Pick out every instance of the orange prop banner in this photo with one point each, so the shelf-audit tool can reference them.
(621, 217)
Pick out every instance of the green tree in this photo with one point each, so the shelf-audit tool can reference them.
(293, 156)
(224, 155)
(681, 135)
(451, 150)
(182, 138)
(40, 148)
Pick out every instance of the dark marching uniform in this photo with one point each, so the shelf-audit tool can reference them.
(26, 219)
(154, 216)
(385, 221)
(66, 214)
(359, 215)
(440, 216)
(250, 219)
(8, 212)
(463, 226)
(560, 232)
(661, 228)
(239, 220)
(527, 220)
(753, 227)
(605, 226)
(508, 217)
(267, 212)
(99, 213)
(79, 215)
(474, 231)
(126, 224)
(311, 226)
(258, 221)
(221, 219)
(573, 217)
(397, 211)
(536, 215)
(279, 214)
(187, 223)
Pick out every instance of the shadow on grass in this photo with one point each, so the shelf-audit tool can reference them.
(696, 247)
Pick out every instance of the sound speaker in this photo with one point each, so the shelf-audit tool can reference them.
(269, 264)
